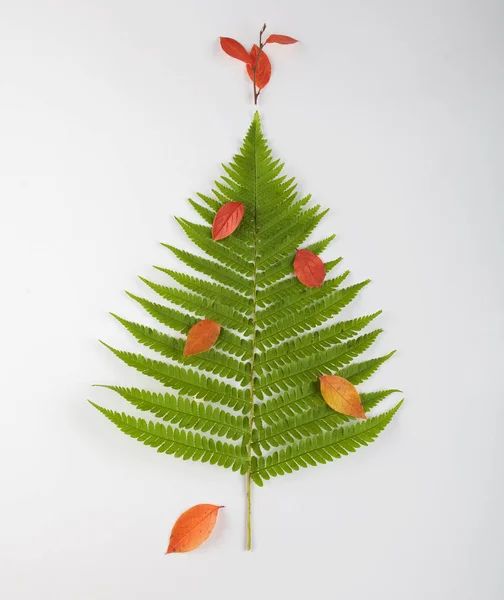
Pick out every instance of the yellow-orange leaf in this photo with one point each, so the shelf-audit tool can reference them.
(201, 337)
(341, 396)
(192, 528)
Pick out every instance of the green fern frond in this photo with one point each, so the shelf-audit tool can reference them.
(205, 213)
(297, 301)
(310, 343)
(320, 448)
(186, 381)
(318, 312)
(306, 369)
(204, 307)
(186, 413)
(202, 237)
(258, 386)
(297, 425)
(214, 270)
(208, 289)
(228, 341)
(182, 444)
(212, 361)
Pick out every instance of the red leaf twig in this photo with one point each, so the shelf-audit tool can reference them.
(254, 68)
(257, 62)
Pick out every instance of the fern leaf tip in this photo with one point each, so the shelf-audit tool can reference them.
(97, 406)
(106, 345)
(398, 406)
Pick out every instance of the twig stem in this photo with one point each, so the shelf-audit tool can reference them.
(254, 68)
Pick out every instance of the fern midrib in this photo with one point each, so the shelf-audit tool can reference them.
(253, 352)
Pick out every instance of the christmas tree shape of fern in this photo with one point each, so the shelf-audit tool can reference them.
(252, 403)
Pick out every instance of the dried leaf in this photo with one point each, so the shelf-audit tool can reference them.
(309, 268)
(275, 38)
(227, 219)
(192, 528)
(234, 49)
(201, 337)
(341, 396)
(263, 69)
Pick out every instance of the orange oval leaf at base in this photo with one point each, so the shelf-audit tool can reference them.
(341, 396)
(201, 337)
(192, 528)
(227, 219)
(309, 268)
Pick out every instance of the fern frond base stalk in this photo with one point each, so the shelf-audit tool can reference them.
(249, 513)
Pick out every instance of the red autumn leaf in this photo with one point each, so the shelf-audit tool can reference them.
(227, 219)
(234, 49)
(263, 69)
(275, 38)
(201, 337)
(341, 396)
(193, 527)
(309, 268)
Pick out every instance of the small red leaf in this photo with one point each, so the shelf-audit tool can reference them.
(193, 527)
(309, 268)
(227, 219)
(263, 69)
(201, 337)
(280, 39)
(234, 49)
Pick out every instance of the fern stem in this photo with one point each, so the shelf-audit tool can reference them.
(249, 512)
(252, 362)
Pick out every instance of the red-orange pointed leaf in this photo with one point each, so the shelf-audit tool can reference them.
(309, 268)
(263, 69)
(201, 337)
(227, 219)
(192, 528)
(234, 49)
(341, 396)
(275, 38)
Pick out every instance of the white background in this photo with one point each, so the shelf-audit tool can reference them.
(112, 113)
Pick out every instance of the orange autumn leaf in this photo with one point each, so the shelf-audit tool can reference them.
(201, 337)
(227, 219)
(263, 69)
(192, 528)
(234, 49)
(341, 396)
(275, 38)
(309, 268)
